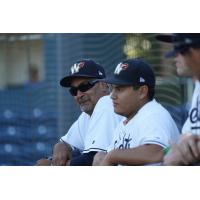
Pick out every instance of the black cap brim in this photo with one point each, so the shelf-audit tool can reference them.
(165, 38)
(168, 39)
(66, 81)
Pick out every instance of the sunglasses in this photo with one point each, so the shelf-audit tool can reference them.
(83, 87)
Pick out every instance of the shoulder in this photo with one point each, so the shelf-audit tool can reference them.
(196, 93)
(197, 87)
(104, 102)
(197, 83)
(152, 107)
(83, 118)
(159, 108)
(154, 110)
(104, 109)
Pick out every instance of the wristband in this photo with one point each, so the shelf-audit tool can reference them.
(166, 150)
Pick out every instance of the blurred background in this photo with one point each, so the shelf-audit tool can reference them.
(35, 111)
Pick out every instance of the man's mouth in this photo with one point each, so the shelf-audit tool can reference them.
(83, 102)
(115, 104)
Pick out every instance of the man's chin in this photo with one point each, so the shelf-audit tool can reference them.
(85, 109)
(117, 112)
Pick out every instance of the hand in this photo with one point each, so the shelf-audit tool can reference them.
(43, 162)
(106, 161)
(174, 157)
(185, 152)
(61, 154)
(98, 158)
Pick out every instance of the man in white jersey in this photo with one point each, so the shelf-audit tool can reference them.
(92, 132)
(187, 150)
(147, 128)
(192, 124)
(182, 70)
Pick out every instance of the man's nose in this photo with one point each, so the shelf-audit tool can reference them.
(113, 95)
(79, 93)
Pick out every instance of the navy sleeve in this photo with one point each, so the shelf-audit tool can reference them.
(85, 159)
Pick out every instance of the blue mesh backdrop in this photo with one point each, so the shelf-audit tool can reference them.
(35, 111)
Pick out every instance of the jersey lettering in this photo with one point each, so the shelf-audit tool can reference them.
(195, 115)
(124, 144)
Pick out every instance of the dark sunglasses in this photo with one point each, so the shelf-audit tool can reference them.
(83, 87)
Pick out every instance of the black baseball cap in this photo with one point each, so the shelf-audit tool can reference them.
(181, 41)
(132, 72)
(83, 68)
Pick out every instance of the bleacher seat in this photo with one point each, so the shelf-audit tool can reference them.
(26, 136)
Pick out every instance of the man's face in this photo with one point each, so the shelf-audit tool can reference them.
(192, 60)
(181, 67)
(88, 99)
(126, 100)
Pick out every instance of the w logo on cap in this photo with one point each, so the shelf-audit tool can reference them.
(120, 67)
(76, 67)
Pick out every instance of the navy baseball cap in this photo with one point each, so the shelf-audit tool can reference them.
(132, 72)
(181, 41)
(83, 68)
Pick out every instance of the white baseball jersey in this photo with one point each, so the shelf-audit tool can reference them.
(94, 133)
(192, 124)
(151, 125)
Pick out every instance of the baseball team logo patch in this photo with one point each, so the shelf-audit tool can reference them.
(76, 67)
(120, 67)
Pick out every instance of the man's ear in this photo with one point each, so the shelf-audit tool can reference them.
(104, 87)
(143, 91)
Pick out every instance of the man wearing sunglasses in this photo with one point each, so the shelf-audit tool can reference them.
(93, 130)
(187, 150)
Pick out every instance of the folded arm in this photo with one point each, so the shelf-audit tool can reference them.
(61, 154)
(142, 155)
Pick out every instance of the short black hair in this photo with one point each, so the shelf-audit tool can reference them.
(151, 91)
